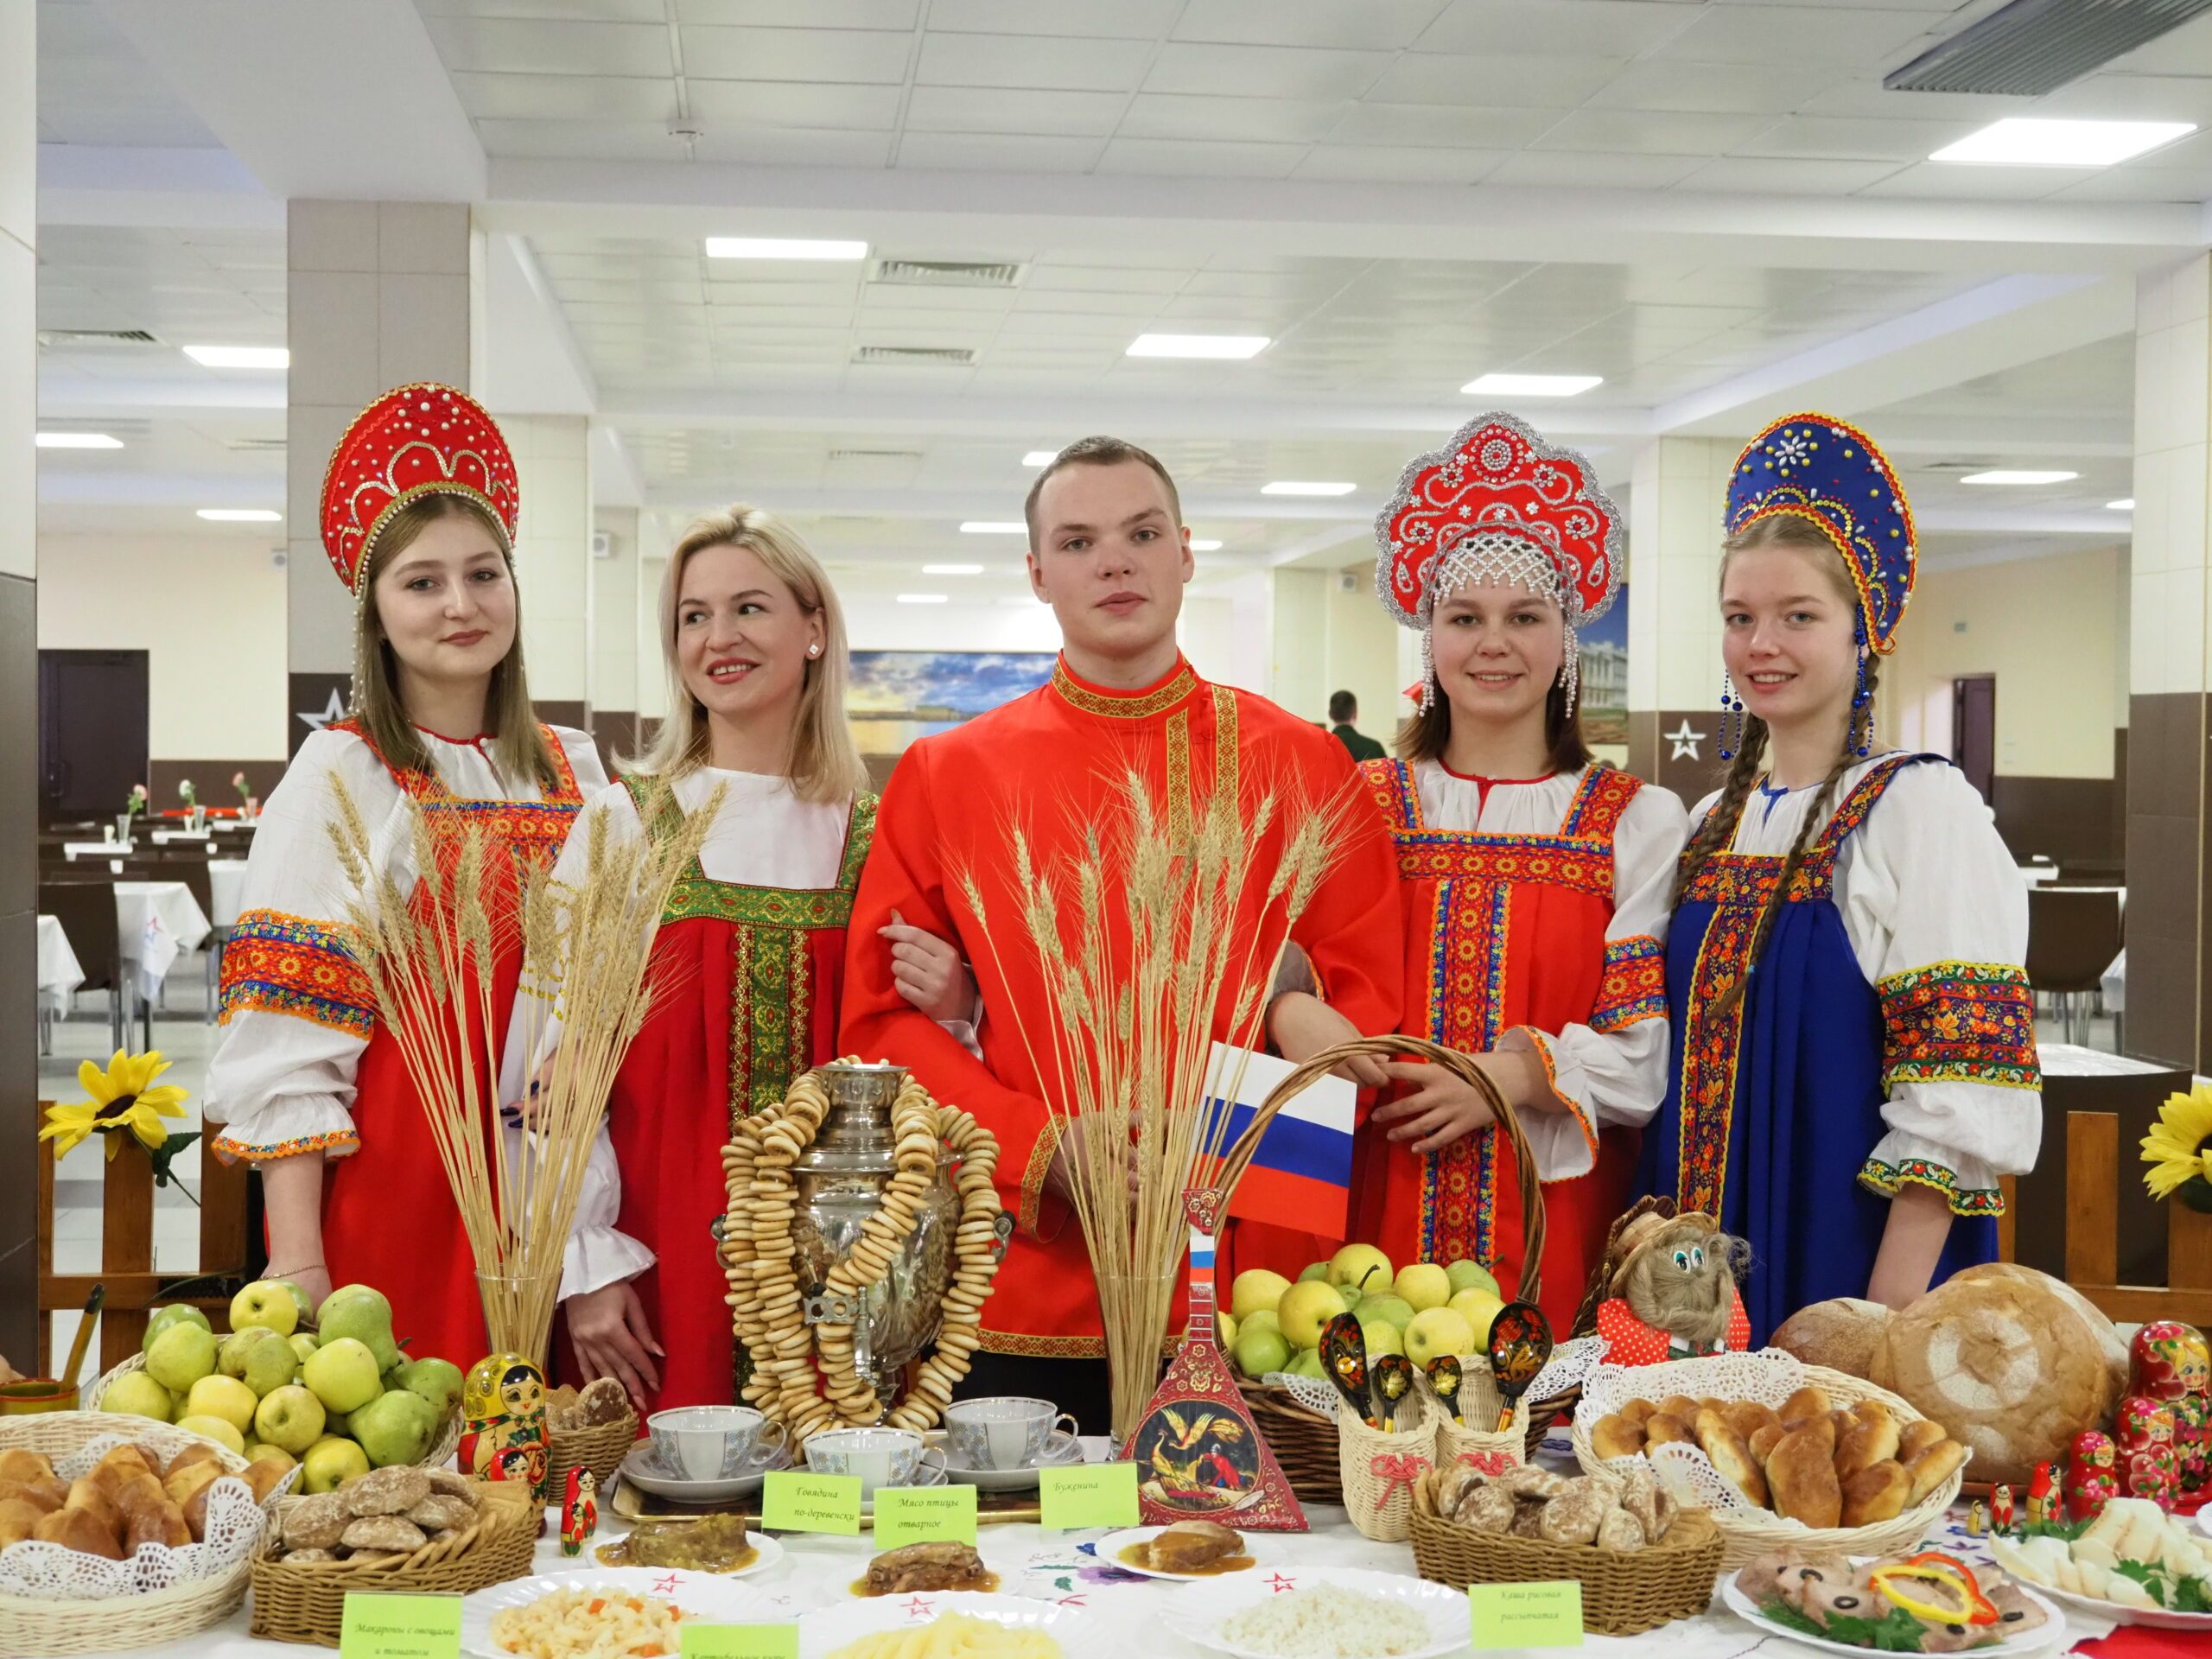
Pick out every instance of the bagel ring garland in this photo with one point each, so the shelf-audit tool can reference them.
(759, 1261)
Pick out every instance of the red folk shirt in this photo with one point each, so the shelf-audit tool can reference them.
(1055, 760)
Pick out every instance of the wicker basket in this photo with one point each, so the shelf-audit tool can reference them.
(599, 1448)
(1625, 1593)
(1381, 1471)
(1751, 1533)
(1490, 1450)
(33, 1626)
(440, 1452)
(307, 1602)
(1305, 1443)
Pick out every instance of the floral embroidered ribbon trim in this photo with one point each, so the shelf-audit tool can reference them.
(337, 1141)
(1889, 1180)
(1960, 1022)
(1634, 985)
(278, 964)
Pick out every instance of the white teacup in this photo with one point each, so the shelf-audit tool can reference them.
(880, 1457)
(711, 1442)
(1005, 1432)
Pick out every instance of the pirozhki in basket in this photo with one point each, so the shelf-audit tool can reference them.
(1628, 1513)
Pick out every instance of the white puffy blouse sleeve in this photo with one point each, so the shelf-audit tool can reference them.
(1612, 1069)
(297, 1010)
(1937, 917)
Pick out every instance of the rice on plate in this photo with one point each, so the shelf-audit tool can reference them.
(1328, 1622)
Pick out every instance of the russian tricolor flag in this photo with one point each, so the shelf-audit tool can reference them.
(1300, 1177)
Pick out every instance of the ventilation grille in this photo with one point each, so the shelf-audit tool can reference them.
(947, 273)
(874, 456)
(77, 338)
(940, 356)
(2034, 46)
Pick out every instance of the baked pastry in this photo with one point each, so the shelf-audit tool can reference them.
(316, 1523)
(80, 1530)
(304, 1557)
(1876, 1493)
(1453, 1483)
(1528, 1481)
(1765, 1440)
(1811, 1401)
(603, 1401)
(83, 1495)
(1748, 1417)
(1930, 1469)
(162, 1524)
(387, 1491)
(46, 1493)
(1874, 1439)
(1615, 1436)
(439, 1512)
(1574, 1515)
(1636, 1410)
(182, 1483)
(1726, 1450)
(391, 1532)
(452, 1485)
(1663, 1428)
(1620, 1530)
(17, 1518)
(1915, 1438)
(198, 1451)
(1679, 1407)
(265, 1476)
(1486, 1509)
(1801, 1479)
(17, 1463)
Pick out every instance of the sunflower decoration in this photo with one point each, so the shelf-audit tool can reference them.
(2179, 1149)
(124, 1097)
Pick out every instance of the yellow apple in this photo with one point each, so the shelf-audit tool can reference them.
(137, 1395)
(330, 1463)
(1224, 1329)
(1305, 1307)
(1437, 1331)
(1361, 1266)
(224, 1397)
(1478, 1307)
(1254, 1289)
(216, 1429)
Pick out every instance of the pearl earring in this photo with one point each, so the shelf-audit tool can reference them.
(814, 651)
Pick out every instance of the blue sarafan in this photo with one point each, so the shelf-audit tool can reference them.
(1822, 470)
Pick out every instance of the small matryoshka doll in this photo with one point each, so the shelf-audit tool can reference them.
(2143, 1431)
(2092, 1475)
(2000, 1509)
(579, 1512)
(2173, 1364)
(2043, 1497)
(503, 1422)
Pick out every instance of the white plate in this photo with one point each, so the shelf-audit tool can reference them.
(2153, 1618)
(1197, 1614)
(1062, 1451)
(641, 1471)
(928, 1474)
(1109, 1555)
(711, 1595)
(2049, 1633)
(766, 1551)
(1079, 1634)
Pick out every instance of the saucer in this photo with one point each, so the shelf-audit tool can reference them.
(648, 1474)
(1061, 1449)
(927, 1474)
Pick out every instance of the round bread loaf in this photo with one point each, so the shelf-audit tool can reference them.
(1841, 1335)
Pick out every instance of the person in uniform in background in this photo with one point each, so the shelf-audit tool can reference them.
(1344, 712)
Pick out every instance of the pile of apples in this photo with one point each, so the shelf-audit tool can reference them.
(339, 1401)
(1421, 1310)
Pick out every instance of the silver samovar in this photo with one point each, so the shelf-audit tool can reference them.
(840, 1182)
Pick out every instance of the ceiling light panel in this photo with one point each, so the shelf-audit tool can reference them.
(1232, 348)
(2014, 475)
(2020, 140)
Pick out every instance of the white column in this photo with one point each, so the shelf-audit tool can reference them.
(553, 559)
(1679, 491)
(1299, 643)
(614, 687)
(377, 295)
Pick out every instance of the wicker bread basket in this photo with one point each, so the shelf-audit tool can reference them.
(599, 1447)
(439, 1454)
(34, 1626)
(1751, 1533)
(306, 1602)
(1625, 1593)
(1305, 1442)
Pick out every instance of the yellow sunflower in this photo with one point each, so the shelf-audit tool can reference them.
(2179, 1147)
(123, 1097)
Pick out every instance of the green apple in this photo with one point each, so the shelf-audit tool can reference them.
(290, 1417)
(299, 1301)
(1305, 1308)
(271, 1365)
(303, 1342)
(176, 1404)
(1383, 1339)
(1435, 1331)
(437, 1380)
(230, 1350)
(395, 1427)
(335, 1422)
(219, 1429)
(1266, 1319)
(1361, 1265)
(1259, 1352)
(1425, 1285)
(181, 1355)
(267, 1302)
(1389, 1307)
(137, 1395)
(1478, 1307)
(161, 1318)
(1471, 1275)
(224, 1397)
(1306, 1361)
(358, 1312)
(329, 1463)
(1314, 1270)
(1255, 1289)
(343, 1374)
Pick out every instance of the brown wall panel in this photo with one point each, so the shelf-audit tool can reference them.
(18, 975)
(2061, 818)
(212, 779)
(2164, 924)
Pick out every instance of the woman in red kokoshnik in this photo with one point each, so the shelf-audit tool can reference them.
(419, 510)
(1536, 881)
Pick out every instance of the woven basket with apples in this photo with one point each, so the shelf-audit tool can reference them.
(326, 1388)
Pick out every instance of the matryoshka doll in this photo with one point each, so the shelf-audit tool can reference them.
(2173, 1364)
(503, 1422)
(2143, 1431)
(2092, 1475)
(579, 1512)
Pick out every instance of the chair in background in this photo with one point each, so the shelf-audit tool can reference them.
(2073, 935)
(86, 911)
(192, 870)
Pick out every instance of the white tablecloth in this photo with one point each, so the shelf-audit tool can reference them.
(164, 837)
(1063, 1567)
(73, 851)
(2035, 874)
(156, 922)
(227, 887)
(59, 972)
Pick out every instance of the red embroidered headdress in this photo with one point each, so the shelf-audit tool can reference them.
(414, 441)
(1498, 503)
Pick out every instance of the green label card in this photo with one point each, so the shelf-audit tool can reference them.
(1091, 1495)
(740, 1641)
(798, 1503)
(1526, 1615)
(400, 1627)
(924, 1514)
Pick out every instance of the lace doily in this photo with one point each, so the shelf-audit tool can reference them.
(235, 1525)
(1768, 1377)
(1571, 1362)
